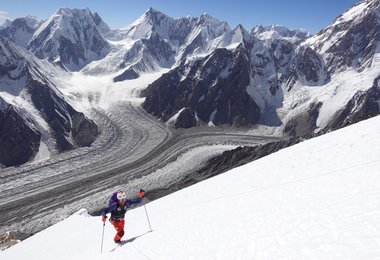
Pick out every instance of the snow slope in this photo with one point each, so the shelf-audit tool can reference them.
(316, 200)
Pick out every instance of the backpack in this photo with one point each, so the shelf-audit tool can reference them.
(113, 198)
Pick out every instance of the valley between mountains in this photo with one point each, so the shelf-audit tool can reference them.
(131, 152)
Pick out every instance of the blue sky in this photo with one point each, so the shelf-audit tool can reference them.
(310, 15)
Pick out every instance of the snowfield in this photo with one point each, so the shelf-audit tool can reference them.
(319, 199)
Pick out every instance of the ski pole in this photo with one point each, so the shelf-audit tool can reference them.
(101, 248)
(147, 217)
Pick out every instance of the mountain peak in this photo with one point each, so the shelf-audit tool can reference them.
(70, 37)
(206, 16)
(152, 14)
(358, 11)
(102, 26)
(152, 10)
(274, 31)
(240, 30)
(65, 10)
(150, 18)
(208, 19)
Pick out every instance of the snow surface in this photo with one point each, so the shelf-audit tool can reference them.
(315, 200)
(87, 91)
(356, 11)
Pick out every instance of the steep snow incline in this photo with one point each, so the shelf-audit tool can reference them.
(316, 200)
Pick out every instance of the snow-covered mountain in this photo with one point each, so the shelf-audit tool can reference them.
(70, 38)
(239, 83)
(19, 138)
(302, 84)
(155, 41)
(353, 38)
(201, 72)
(20, 31)
(220, 99)
(216, 75)
(279, 32)
(315, 200)
(350, 52)
(33, 107)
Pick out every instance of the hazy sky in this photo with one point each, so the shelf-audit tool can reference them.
(310, 15)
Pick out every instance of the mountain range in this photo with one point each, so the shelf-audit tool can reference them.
(213, 75)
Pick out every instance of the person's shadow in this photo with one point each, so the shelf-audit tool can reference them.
(123, 242)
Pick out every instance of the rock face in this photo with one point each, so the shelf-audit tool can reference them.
(359, 35)
(363, 105)
(237, 157)
(12, 63)
(70, 38)
(126, 75)
(276, 65)
(303, 124)
(71, 128)
(8, 239)
(19, 140)
(158, 41)
(220, 99)
(235, 85)
(21, 30)
(310, 65)
(185, 119)
(84, 130)
(154, 52)
(24, 77)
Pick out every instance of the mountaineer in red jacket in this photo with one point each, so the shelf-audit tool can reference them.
(118, 205)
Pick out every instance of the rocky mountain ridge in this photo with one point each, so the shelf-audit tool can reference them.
(70, 38)
(20, 31)
(278, 70)
(270, 75)
(24, 80)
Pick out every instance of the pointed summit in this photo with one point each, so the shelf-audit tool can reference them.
(70, 38)
(152, 16)
(206, 19)
(234, 38)
(153, 11)
(102, 26)
(151, 20)
(240, 32)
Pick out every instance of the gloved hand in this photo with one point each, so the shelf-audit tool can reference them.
(104, 218)
(141, 193)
